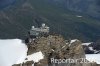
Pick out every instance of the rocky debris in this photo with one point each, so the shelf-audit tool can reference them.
(46, 44)
(55, 47)
(29, 63)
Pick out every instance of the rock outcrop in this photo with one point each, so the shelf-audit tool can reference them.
(57, 52)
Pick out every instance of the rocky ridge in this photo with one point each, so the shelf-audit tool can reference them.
(55, 47)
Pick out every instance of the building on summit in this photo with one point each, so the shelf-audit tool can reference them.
(35, 32)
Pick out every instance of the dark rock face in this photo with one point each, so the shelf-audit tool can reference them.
(55, 47)
(93, 48)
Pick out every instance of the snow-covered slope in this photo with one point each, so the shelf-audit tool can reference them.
(36, 57)
(93, 58)
(86, 44)
(12, 51)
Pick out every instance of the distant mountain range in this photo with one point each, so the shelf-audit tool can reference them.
(91, 7)
(66, 19)
(4, 3)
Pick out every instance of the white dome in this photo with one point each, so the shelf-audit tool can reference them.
(43, 25)
(33, 27)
